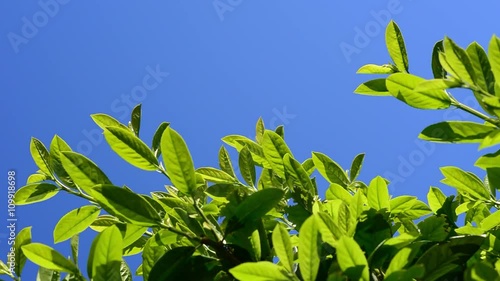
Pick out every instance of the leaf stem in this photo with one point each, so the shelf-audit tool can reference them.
(474, 112)
(216, 233)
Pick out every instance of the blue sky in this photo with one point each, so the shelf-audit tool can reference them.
(211, 69)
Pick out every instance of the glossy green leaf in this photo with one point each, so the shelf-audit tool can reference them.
(494, 57)
(376, 69)
(40, 156)
(409, 206)
(336, 191)
(259, 130)
(239, 142)
(84, 173)
(225, 162)
(215, 175)
(56, 147)
(258, 204)
(352, 260)
(402, 86)
(375, 87)
(156, 143)
(490, 160)
(126, 205)
(356, 165)
(283, 246)
(105, 256)
(22, 238)
(459, 61)
(378, 194)
(247, 166)
(437, 69)
(260, 271)
(35, 192)
(482, 68)
(465, 183)
(49, 258)
(275, 148)
(103, 120)
(309, 246)
(437, 84)
(329, 169)
(178, 161)
(135, 119)
(36, 178)
(399, 261)
(436, 198)
(491, 139)
(396, 46)
(75, 222)
(456, 131)
(130, 148)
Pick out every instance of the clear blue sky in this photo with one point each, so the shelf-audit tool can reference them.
(228, 62)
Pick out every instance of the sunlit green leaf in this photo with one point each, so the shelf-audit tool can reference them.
(464, 183)
(494, 57)
(259, 130)
(482, 68)
(402, 86)
(35, 192)
(309, 255)
(247, 166)
(130, 148)
(376, 69)
(275, 148)
(105, 256)
(456, 131)
(352, 260)
(329, 169)
(84, 173)
(356, 165)
(22, 238)
(225, 162)
(75, 222)
(491, 139)
(490, 160)
(156, 143)
(399, 261)
(56, 147)
(396, 46)
(260, 271)
(283, 247)
(437, 84)
(239, 142)
(215, 175)
(103, 120)
(436, 198)
(378, 194)
(375, 87)
(49, 258)
(459, 61)
(40, 156)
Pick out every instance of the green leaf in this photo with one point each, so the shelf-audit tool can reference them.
(482, 68)
(356, 166)
(437, 69)
(378, 194)
(215, 175)
(260, 271)
(74, 242)
(125, 273)
(83, 171)
(399, 261)
(402, 86)
(494, 56)
(283, 246)
(490, 160)
(396, 46)
(225, 162)
(328, 228)
(36, 178)
(302, 188)
(434, 228)
(106, 256)
(178, 161)
(259, 130)
(150, 255)
(103, 120)
(465, 183)
(280, 130)
(275, 148)
(180, 264)
(126, 205)
(309, 246)
(155, 145)
(491, 139)
(376, 69)
(40, 156)
(409, 206)
(247, 166)
(49, 258)
(56, 147)
(483, 271)
(135, 119)
(22, 238)
(352, 260)
(490, 221)
(35, 192)
(436, 198)
(459, 61)
(456, 131)
(375, 87)
(336, 191)
(329, 169)
(437, 84)
(75, 222)
(130, 148)
(258, 204)
(239, 142)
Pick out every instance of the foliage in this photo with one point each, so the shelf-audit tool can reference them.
(268, 222)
